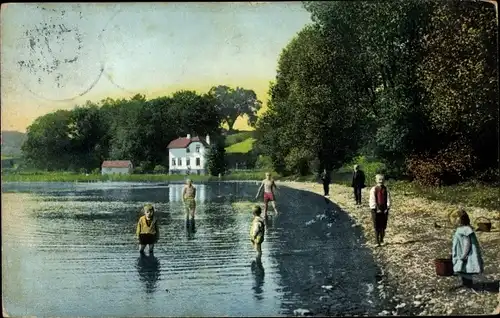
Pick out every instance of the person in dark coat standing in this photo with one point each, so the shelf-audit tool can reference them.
(326, 179)
(358, 183)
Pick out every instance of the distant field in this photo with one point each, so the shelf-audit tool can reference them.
(239, 137)
(242, 147)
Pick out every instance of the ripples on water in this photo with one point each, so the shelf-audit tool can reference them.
(69, 249)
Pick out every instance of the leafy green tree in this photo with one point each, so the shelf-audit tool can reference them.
(460, 77)
(419, 65)
(47, 145)
(312, 113)
(142, 129)
(88, 136)
(127, 142)
(194, 113)
(385, 43)
(233, 103)
(215, 157)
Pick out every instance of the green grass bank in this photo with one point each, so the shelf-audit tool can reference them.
(42, 176)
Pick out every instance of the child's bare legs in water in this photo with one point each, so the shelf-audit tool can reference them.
(143, 247)
(258, 248)
(274, 207)
(190, 211)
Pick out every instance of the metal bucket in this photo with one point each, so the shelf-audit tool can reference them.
(483, 226)
(444, 266)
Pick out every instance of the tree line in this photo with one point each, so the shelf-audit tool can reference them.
(134, 129)
(412, 84)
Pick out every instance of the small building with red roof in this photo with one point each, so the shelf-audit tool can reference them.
(186, 155)
(117, 167)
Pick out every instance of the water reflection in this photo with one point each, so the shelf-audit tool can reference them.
(99, 255)
(148, 267)
(328, 203)
(269, 222)
(190, 228)
(330, 254)
(258, 275)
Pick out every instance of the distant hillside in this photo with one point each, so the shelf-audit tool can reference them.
(241, 147)
(239, 136)
(12, 142)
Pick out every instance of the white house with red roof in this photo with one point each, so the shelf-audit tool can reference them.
(186, 155)
(117, 166)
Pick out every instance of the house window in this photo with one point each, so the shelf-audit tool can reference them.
(179, 161)
(173, 161)
(187, 150)
(197, 162)
(198, 149)
(187, 162)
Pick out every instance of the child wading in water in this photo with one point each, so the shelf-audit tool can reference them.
(380, 203)
(147, 229)
(188, 197)
(257, 230)
(466, 252)
(269, 186)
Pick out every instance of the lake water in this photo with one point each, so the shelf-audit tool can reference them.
(68, 249)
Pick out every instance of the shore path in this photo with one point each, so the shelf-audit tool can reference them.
(417, 233)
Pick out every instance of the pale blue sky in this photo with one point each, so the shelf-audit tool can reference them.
(149, 48)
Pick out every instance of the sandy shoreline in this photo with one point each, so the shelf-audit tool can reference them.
(417, 233)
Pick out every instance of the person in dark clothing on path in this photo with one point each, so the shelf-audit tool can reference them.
(358, 183)
(326, 179)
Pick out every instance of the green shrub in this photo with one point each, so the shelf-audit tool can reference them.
(159, 169)
(263, 162)
(299, 161)
(139, 170)
(215, 159)
(449, 166)
(369, 166)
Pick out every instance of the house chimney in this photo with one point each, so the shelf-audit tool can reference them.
(208, 139)
(188, 136)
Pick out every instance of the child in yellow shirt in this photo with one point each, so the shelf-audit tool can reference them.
(147, 229)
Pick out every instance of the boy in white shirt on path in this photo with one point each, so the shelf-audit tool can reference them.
(380, 203)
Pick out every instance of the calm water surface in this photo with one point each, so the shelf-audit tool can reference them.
(69, 250)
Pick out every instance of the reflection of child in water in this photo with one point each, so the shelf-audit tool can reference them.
(258, 274)
(147, 229)
(257, 230)
(148, 268)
